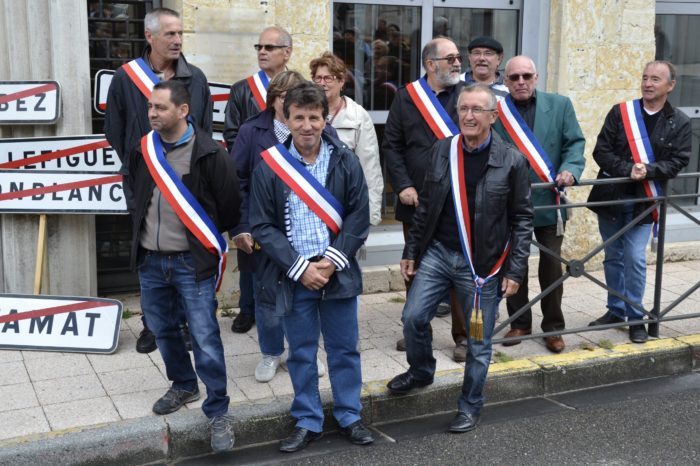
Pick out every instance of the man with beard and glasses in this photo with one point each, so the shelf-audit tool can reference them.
(424, 112)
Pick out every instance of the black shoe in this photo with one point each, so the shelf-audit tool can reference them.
(186, 338)
(358, 433)
(464, 422)
(174, 399)
(443, 310)
(638, 333)
(404, 383)
(146, 343)
(298, 440)
(242, 323)
(607, 318)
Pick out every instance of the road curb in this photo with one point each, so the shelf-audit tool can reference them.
(185, 433)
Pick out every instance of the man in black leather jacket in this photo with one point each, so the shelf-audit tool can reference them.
(669, 137)
(490, 222)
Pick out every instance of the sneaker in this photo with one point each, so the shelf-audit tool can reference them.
(222, 436)
(444, 309)
(242, 323)
(638, 333)
(174, 399)
(267, 368)
(186, 337)
(321, 367)
(146, 343)
(607, 318)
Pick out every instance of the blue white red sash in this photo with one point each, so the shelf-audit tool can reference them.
(638, 140)
(431, 109)
(459, 195)
(258, 86)
(141, 75)
(188, 209)
(305, 185)
(525, 140)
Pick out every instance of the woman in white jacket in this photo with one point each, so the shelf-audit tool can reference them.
(354, 126)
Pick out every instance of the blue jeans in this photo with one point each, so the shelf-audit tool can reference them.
(270, 327)
(625, 262)
(441, 269)
(337, 320)
(165, 279)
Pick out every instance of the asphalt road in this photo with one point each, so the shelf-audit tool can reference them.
(649, 422)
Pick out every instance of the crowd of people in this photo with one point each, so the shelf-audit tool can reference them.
(300, 184)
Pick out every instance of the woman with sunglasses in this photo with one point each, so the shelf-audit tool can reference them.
(353, 124)
(260, 132)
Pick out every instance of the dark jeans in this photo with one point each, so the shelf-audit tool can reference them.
(548, 272)
(166, 279)
(459, 325)
(247, 300)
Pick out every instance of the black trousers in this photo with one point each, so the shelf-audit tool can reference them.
(549, 271)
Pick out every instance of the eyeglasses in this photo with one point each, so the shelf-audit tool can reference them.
(450, 59)
(329, 78)
(269, 47)
(476, 111)
(516, 77)
(485, 53)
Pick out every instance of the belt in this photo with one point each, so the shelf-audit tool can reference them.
(164, 253)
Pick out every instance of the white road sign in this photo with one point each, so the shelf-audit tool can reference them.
(25, 191)
(71, 153)
(23, 102)
(59, 323)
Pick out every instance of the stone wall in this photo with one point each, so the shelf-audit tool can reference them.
(597, 50)
(219, 34)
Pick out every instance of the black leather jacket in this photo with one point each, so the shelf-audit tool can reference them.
(670, 143)
(503, 208)
(241, 106)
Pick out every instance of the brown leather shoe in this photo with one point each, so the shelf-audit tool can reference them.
(516, 332)
(554, 344)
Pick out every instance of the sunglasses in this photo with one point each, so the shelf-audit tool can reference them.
(269, 47)
(450, 59)
(516, 77)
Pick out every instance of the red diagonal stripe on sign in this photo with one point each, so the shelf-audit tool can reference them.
(56, 154)
(61, 187)
(219, 97)
(50, 311)
(27, 92)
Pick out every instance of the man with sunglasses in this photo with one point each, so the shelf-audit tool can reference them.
(485, 56)
(422, 113)
(471, 232)
(545, 129)
(247, 99)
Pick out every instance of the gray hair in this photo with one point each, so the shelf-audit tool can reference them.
(151, 22)
(430, 50)
(285, 37)
(668, 64)
(478, 87)
(532, 63)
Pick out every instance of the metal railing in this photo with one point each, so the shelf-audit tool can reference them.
(575, 268)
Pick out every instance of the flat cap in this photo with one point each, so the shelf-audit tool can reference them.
(486, 42)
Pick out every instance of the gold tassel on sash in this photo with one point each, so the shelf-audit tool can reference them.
(476, 325)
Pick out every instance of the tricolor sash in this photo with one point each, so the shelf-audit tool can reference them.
(431, 109)
(639, 143)
(258, 86)
(141, 75)
(305, 185)
(459, 195)
(182, 201)
(523, 137)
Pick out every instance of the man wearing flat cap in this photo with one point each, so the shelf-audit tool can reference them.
(485, 56)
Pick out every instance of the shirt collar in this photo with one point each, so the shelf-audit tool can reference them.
(479, 148)
(184, 139)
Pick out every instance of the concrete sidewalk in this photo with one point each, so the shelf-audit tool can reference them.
(78, 409)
